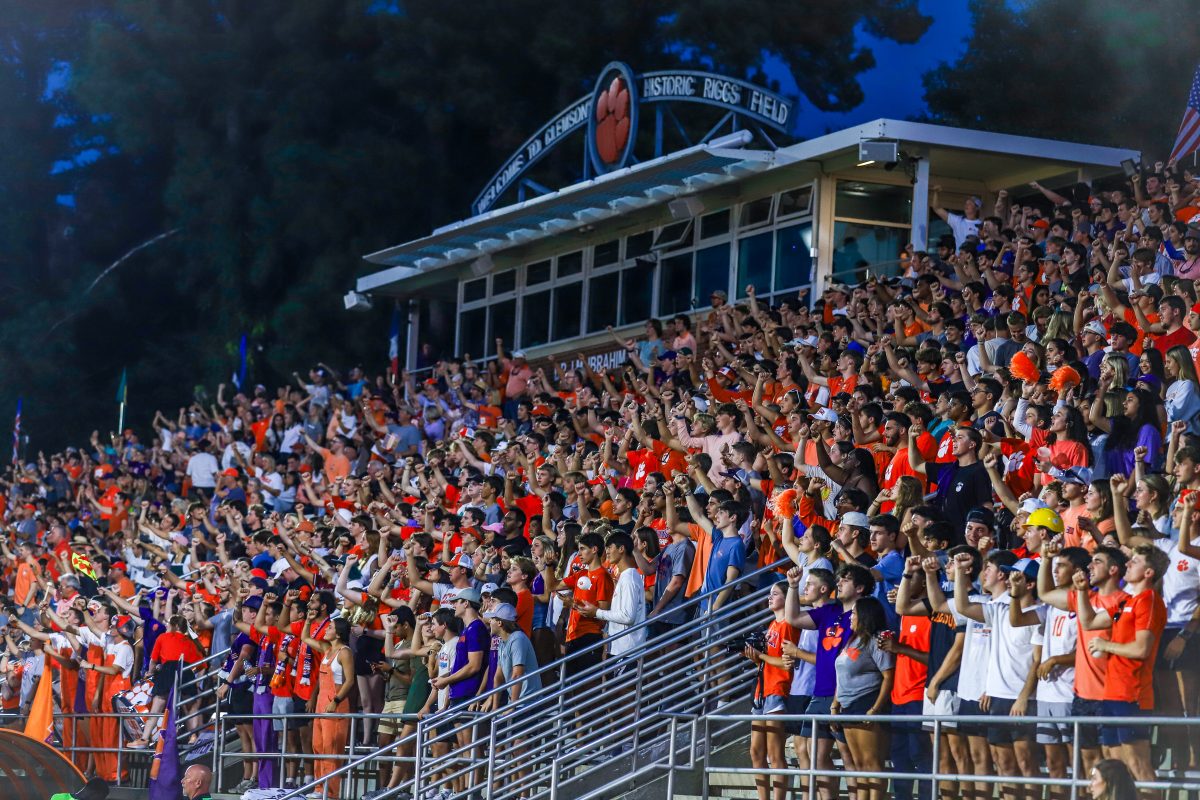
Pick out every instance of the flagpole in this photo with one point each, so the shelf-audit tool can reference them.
(121, 419)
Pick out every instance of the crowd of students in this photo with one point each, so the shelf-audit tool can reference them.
(982, 471)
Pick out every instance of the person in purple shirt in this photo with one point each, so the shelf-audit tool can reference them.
(832, 623)
(1136, 426)
(469, 668)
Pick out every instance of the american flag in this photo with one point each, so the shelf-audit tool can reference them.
(1188, 138)
(16, 454)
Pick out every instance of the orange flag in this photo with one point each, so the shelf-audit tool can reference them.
(40, 723)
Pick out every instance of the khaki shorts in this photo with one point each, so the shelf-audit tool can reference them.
(392, 726)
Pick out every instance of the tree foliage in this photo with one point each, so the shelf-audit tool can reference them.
(1100, 72)
(283, 140)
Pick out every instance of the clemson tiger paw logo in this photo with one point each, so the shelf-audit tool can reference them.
(612, 121)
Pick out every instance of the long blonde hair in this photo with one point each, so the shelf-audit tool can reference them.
(1181, 357)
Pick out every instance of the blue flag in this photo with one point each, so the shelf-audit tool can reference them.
(166, 776)
(239, 377)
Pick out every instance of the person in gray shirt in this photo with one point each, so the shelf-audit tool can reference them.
(864, 686)
(671, 568)
(516, 656)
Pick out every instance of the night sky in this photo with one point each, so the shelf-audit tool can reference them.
(893, 88)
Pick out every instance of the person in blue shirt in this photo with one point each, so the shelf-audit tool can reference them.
(728, 553)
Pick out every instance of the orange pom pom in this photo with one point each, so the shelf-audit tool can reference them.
(1064, 378)
(1022, 368)
(785, 504)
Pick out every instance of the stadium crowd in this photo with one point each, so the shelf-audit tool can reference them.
(982, 470)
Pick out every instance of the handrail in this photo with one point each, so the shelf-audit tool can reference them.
(549, 694)
(935, 777)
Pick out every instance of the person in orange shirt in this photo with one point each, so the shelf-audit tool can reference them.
(767, 738)
(592, 585)
(337, 465)
(118, 575)
(1135, 627)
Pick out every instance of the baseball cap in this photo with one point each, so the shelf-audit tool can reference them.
(230, 473)
(856, 519)
(496, 527)
(1054, 257)
(1026, 566)
(981, 515)
(1080, 475)
(840, 287)
(1040, 223)
(461, 560)
(278, 567)
(1096, 327)
(826, 415)
(518, 354)
(488, 588)
(1192, 233)
(719, 293)
(504, 612)
(1032, 504)
(118, 565)
(471, 595)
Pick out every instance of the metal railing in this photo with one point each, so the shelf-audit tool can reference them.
(566, 736)
(935, 777)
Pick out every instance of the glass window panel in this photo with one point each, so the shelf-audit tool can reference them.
(715, 224)
(795, 201)
(535, 319)
(474, 290)
(675, 285)
(756, 212)
(866, 249)
(873, 201)
(570, 264)
(504, 282)
(537, 273)
(754, 264)
(712, 271)
(677, 234)
(472, 332)
(637, 295)
(602, 311)
(502, 322)
(607, 253)
(793, 256)
(638, 244)
(568, 311)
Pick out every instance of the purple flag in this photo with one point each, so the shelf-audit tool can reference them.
(165, 775)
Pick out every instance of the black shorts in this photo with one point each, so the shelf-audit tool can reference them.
(1007, 734)
(240, 702)
(578, 664)
(970, 708)
(817, 705)
(1187, 660)
(446, 729)
(164, 682)
(1089, 735)
(795, 704)
(1116, 735)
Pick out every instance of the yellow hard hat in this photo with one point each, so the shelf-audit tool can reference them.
(1046, 518)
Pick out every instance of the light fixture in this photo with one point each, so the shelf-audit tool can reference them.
(867, 163)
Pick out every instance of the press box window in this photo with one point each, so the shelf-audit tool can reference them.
(504, 282)
(756, 212)
(677, 234)
(570, 264)
(474, 290)
(537, 273)
(795, 201)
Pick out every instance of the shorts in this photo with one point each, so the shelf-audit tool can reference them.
(1054, 732)
(392, 726)
(817, 705)
(1114, 735)
(164, 679)
(857, 708)
(446, 729)
(578, 664)
(1089, 735)
(795, 704)
(289, 706)
(1004, 734)
(1187, 659)
(970, 708)
(946, 705)
(240, 702)
(771, 704)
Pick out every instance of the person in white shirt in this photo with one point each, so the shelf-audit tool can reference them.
(628, 607)
(1054, 649)
(964, 224)
(202, 469)
(1011, 673)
